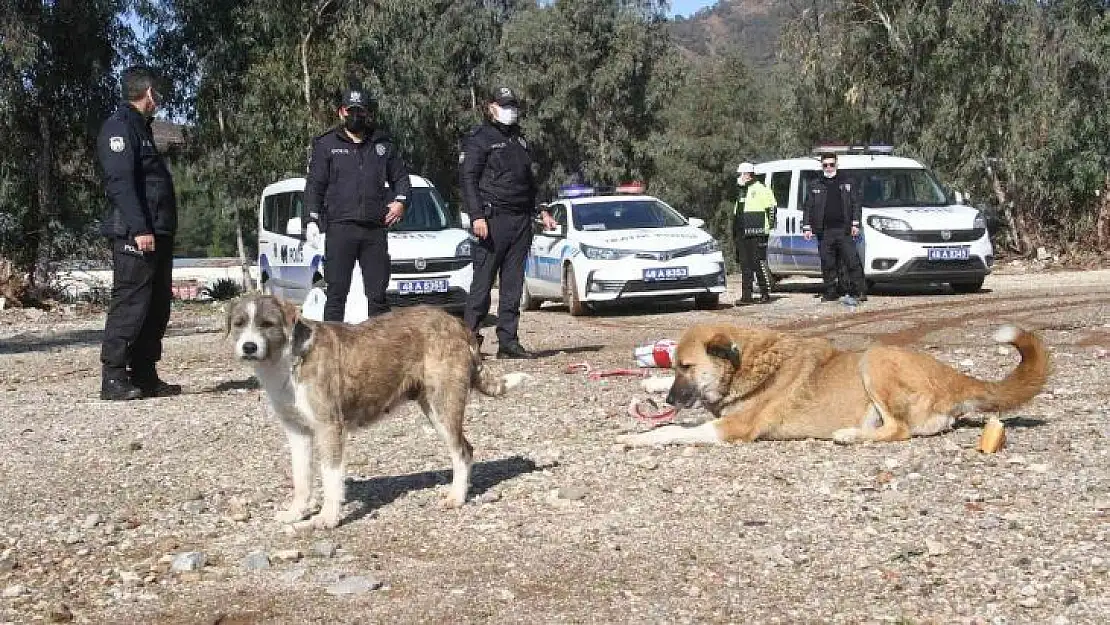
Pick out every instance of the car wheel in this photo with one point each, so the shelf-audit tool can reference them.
(574, 305)
(527, 302)
(708, 301)
(970, 286)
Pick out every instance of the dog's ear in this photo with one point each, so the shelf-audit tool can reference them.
(291, 312)
(301, 340)
(232, 306)
(723, 347)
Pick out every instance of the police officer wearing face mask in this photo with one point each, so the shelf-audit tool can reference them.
(140, 224)
(347, 199)
(832, 213)
(499, 192)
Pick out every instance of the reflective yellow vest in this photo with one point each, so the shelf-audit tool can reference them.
(758, 199)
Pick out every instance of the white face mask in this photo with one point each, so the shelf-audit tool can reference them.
(829, 173)
(506, 116)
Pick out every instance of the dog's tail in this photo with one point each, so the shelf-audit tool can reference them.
(487, 382)
(1024, 382)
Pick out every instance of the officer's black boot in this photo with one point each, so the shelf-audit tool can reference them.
(514, 350)
(116, 386)
(146, 378)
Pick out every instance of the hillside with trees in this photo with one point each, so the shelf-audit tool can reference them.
(1009, 101)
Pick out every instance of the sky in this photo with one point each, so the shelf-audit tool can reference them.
(686, 8)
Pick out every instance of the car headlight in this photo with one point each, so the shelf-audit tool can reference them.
(708, 247)
(463, 249)
(603, 253)
(980, 221)
(887, 224)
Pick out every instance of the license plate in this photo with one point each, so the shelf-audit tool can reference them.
(420, 287)
(949, 253)
(658, 274)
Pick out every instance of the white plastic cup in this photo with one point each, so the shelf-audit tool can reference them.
(658, 354)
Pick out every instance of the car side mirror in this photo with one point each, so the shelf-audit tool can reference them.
(293, 227)
(697, 222)
(464, 220)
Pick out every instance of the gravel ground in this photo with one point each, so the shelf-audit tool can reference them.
(161, 511)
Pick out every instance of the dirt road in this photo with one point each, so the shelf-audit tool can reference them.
(564, 526)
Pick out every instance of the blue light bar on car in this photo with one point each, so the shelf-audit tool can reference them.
(874, 148)
(575, 190)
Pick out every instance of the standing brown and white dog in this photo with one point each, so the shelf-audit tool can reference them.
(323, 378)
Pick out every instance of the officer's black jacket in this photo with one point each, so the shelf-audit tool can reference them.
(136, 179)
(813, 208)
(495, 170)
(347, 180)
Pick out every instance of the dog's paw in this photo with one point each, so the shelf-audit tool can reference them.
(291, 515)
(847, 436)
(513, 380)
(324, 521)
(451, 502)
(632, 440)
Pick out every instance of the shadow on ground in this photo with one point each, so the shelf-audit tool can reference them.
(376, 492)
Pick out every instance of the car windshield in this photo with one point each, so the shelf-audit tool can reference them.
(896, 187)
(426, 210)
(625, 215)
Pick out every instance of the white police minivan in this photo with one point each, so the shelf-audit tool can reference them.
(621, 246)
(429, 253)
(913, 230)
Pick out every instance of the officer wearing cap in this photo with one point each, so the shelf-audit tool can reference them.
(356, 189)
(753, 217)
(499, 193)
(140, 223)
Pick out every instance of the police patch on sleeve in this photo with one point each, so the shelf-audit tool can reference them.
(116, 144)
(380, 149)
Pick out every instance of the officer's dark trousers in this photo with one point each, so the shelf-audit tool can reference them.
(502, 254)
(142, 288)
(839, 257)
(751, 251)
(345, 244)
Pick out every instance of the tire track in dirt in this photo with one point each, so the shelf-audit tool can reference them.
(918, 329)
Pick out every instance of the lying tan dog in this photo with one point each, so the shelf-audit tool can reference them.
(323, 378)
(767, 385)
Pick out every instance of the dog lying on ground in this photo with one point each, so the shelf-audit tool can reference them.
(762, 384)
(323, 378)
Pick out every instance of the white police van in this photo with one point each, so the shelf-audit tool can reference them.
(913, 230)
(621, 246)
(429, 253)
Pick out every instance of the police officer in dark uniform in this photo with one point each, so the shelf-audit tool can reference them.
(347, 199)
(832, 213)
(140, 224)
(499, 191)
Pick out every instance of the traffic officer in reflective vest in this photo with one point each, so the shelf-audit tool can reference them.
(499, 192)
(753, 216)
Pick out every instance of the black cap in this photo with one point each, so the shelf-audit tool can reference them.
(357, 97)
(504, 96)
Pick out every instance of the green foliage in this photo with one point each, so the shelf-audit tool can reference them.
(1007, 100)
(56, 86)
(223, 289)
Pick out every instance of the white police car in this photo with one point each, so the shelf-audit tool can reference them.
(913, 229)
(621, 246)
(429, 253)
